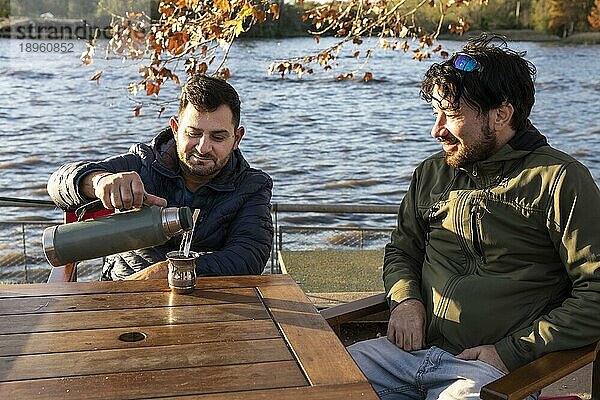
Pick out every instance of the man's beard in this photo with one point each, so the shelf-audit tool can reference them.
(213, 167)
(468, 154)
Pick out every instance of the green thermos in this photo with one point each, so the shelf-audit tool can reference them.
(115, 233)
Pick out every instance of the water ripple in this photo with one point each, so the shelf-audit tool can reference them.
(352, 183)
(26, 162)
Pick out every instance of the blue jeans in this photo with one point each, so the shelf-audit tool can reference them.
(421, 375)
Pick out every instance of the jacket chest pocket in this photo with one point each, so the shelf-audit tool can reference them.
(441, 222)
(504, 234)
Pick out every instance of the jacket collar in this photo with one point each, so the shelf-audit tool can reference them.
(166, 162)
(528, 139)
(521, 144)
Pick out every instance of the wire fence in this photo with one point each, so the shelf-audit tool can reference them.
(300, 227)
(332, 237)
(22, 258)
(332, 226)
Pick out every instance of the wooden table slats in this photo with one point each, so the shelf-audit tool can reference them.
(157, 335)
(52, 322)
(135, 385)
(251, 337)
(348, 391)
(58, 365)
(74, 302)
(154, 285)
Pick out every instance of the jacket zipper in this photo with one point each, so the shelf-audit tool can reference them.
(461, 206)
(475, 232)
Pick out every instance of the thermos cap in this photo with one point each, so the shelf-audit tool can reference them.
(175, 220)
(185, 218)
(48, 246)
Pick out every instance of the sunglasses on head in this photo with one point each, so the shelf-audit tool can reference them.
(466, 63)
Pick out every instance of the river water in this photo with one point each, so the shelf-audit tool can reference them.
(322, 140)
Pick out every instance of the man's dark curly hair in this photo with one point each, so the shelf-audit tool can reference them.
(504, 76)
(207, 93)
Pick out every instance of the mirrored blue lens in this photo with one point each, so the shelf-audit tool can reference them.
(466, 63)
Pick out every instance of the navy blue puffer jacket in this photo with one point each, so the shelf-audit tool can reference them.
(235, 219)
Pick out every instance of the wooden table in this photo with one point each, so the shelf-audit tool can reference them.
(251, 337)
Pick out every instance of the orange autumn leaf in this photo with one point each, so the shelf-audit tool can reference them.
(202, 68)
(166, 10)
(176, 42)
(259, 15)
(87, 57)
(274, 9)
(152, 88)
(137, 111)
(223, 5)
(96, 77)
(225, 73)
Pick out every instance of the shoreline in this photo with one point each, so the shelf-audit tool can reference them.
(60, 28)
(529, 35)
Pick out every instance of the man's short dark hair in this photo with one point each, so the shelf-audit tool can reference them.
(207, 93)
(504, 76)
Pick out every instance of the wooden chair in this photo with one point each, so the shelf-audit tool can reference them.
(516, 385)
(68, 273)
(64, 273)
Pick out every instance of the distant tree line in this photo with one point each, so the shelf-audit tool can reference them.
(558, 17)
(99, 12)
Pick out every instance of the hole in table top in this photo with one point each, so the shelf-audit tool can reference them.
(132, 336)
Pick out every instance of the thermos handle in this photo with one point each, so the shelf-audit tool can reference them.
(80, 212)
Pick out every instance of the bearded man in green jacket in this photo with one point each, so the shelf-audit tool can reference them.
(495, 260)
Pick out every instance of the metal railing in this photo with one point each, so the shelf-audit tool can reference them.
(21, 255)
(296, 227)
(345, 236)
(367, 226)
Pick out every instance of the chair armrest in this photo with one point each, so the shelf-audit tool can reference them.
(539, 373)
(355, 309)
(64, 273)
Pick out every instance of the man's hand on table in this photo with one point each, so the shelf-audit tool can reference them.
(486, 353)
(160, 270)
(406, 328)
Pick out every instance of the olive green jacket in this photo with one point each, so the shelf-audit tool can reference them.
(504, 253)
